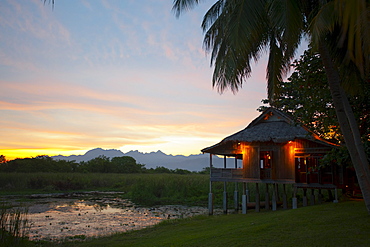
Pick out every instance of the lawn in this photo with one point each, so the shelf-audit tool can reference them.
(329, 224)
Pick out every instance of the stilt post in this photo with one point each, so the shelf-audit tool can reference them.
(267, 198)
(210, 203)
(319, 197)
(274, 196)
(294, 199)
(312, 197)
(210, 194)
(285, 201)
(236, 198)
(244, 200)
(225, 191)
(257, 208)
(236, 193)
(335, 195)
(225, 199)
(247, 193)
(304, 197)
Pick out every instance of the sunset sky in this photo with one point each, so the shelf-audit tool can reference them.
(114, 74)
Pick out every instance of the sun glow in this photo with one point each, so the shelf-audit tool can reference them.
(11, 154)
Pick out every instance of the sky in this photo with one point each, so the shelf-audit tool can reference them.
(113, 74)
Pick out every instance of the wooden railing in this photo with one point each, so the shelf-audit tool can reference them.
(226, 173)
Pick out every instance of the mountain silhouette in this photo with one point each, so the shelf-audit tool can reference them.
(153, 159)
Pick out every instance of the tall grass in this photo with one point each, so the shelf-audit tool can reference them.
(170, 189)
(14, 226)
(144, 189)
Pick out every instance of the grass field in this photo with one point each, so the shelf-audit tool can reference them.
(142, 189)
(329, 224)
(342, 224)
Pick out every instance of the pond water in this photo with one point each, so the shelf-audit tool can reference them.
(56, 219)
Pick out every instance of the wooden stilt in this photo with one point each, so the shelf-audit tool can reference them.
(210, 203)
(244, 200)
(267, 198)
(277, 193)
(274, 196)
(257, 208)
(312, 197)
(319, 197)
(247, 192)
(225, 191)
(225, 199)
(304, 197)
(210, 194)
(285, 201)
(236, 193)
(336, 195)
(331, 198)
(294, 200)
(236, 198)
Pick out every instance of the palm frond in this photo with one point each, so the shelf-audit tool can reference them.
(287, 18)
(352, 18)
(180, 6)
(212, 14)
(236, 35)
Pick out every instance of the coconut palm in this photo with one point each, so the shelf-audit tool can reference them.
(239, 31)
(340, 32)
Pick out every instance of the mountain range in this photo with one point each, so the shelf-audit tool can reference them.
(153, 159)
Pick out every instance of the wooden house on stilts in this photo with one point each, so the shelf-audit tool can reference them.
(275, 151)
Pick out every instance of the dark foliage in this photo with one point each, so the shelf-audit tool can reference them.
(101, 164)
(306, 96)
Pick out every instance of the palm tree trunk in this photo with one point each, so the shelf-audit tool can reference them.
(348, 125)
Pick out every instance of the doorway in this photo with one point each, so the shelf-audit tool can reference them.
(265, 164)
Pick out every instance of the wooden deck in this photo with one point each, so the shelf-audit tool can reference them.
(236, 175)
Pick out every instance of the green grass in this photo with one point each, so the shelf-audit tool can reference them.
(329, 224)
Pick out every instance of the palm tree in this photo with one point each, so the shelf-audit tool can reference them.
(238, 31)
(340, 31)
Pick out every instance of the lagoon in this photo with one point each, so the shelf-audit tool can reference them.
(56, 217)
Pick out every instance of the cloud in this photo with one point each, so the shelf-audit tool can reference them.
(30, 32)
(128, 74)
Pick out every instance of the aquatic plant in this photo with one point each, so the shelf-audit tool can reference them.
(14, 226)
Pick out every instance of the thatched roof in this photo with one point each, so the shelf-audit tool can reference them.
(271, 126)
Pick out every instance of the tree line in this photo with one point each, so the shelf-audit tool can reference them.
(101, 164)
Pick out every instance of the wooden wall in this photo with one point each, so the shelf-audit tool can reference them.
(282, 160)
(251, 161)
(285, 168)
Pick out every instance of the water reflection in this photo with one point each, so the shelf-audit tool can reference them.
(68, 218)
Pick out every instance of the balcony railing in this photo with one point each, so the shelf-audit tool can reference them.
(226, 173)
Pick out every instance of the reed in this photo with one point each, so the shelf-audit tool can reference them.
(14, 226)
